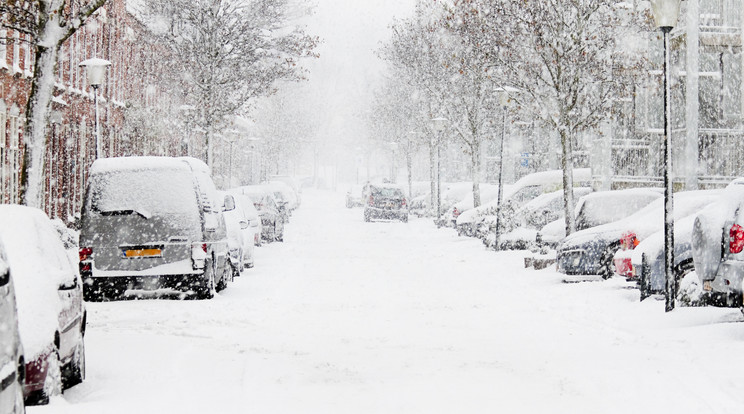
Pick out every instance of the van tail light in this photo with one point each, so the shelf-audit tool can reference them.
(198, 255)
(86, 260)
(629, 241)
(736, 239)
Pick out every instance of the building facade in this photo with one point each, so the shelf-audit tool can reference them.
(129, 123)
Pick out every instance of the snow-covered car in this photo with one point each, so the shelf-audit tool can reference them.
(532, 217)
(285, 195)
(51, 313)
(12, 365)
(592, 251)
(245, 204)
(488, 192)
(718, 245)
(598, 208)
(385, 201)
(292, 182)
(354, 196)
(152, 226)
(240, 236)
(419, 205)
(527, 188)
(647, 259)
(272, 217)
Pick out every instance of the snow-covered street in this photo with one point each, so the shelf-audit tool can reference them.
(386, 317)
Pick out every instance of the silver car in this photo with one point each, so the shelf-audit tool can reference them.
(152, 226)
(12, 366)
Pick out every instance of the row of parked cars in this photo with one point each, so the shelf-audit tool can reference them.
(619, 232)
(150, 227)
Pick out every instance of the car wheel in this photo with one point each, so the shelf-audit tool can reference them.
(75, 373)
(367, 217)
(226, 275)
(52, 382)
(643, 282)
(404, 218)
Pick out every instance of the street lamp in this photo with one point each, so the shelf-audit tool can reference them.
(504, 102)
(439, 124)
(96, 70)
(666, 13)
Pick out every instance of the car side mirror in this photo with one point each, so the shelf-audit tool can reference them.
(4, 274)
(229, 203)
(243, 224)
(69, 284)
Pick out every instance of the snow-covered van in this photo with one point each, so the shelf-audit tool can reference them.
(152, 226)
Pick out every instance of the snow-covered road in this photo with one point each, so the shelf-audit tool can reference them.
(353, 317)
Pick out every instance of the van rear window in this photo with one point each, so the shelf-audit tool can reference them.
(145, 192)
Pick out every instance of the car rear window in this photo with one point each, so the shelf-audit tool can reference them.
(146, 192)
(387, 192)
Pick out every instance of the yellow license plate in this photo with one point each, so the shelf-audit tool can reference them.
(143, 253)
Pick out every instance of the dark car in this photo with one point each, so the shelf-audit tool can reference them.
(272, 214)
(152, 226)
(49, 296)
(12, 366)
(385, 202)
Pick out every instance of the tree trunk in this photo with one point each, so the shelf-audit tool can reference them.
(433, 173)
(476, 167)
(37, 114)
(567, 165)
(409, 167)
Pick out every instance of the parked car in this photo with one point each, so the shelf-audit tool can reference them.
(240, 236)
(284, 193)
(354, 196)
(52, 317)
(592, 251)
(12, 365)
(531, 217)
(651, 280)
(272, 215)
(515, 196)
(647, 259)
(488, 192)
(385, 201)
(152, 226)
(598, 208)
(717, 241)
(245, 204)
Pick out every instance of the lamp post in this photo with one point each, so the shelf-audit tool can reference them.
(666, 13)
(439, 124)
(96, 70)
(503, 101)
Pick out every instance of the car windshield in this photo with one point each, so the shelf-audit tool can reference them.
(145, 192)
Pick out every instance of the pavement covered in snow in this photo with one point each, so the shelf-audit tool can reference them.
(387, 317)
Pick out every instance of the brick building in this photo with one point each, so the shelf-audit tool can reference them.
(133, 108)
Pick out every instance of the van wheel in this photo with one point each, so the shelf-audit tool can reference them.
(226, 274)
(207, 290)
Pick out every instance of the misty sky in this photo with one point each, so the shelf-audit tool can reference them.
(343, 78)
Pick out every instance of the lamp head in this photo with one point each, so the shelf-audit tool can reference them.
(666, 12)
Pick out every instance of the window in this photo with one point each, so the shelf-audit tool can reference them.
(14, 155)
(3, 48)
(16, 52)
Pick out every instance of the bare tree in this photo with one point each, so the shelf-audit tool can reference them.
(229, 52)
(50, 23)
(562, 55)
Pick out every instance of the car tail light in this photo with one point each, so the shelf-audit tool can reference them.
(85, 253)
(371, 201)
(736, 239)
(629, 241)
(455, 213)
(198, 255)
(403, 203)
(86, 260)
